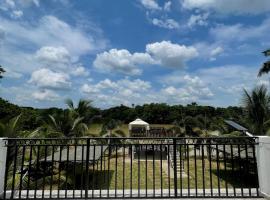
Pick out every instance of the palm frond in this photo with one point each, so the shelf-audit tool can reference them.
(69, 103)
(264, 69)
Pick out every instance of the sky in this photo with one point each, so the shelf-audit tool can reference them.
(132, 51)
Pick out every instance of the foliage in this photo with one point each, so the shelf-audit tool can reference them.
(65, 124)
(61, 122)
(83, 109)
(1, 71)
(11, 128)
(266, 65)
(257, 106)
(107, 128)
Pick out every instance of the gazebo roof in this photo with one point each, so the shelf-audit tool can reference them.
(138, 121)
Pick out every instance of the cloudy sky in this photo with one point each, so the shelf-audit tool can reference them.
(132, 51)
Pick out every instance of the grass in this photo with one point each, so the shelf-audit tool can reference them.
(146, 175)
(96, 128)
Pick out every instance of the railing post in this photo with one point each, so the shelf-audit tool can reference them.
(3, 158)
(87, 167)
(175, 167)
(263, 163)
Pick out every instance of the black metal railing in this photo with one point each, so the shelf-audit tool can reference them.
(130, 168)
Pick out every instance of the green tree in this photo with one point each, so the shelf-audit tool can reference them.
(109, 126)
(266, 65)
(66, 125)
(257, 105)
(10, 129)
(83, 109)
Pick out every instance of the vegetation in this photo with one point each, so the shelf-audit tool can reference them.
(257, 105)
(83, 119)
(266, 66)
(1, 71)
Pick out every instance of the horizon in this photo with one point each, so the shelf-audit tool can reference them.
(132, 52)
(134, 106)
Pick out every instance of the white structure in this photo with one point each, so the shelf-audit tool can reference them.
(263, 164)
(3, 157)
(138, 123)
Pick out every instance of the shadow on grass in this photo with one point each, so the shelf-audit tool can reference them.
(241, 176)
(96, 180)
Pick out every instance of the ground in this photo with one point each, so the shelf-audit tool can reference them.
(96, 128)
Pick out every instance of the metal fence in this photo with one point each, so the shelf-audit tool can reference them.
(130, 168)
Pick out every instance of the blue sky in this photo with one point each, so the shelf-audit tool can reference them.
(132, 51)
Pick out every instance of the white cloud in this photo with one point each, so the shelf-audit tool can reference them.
(14, 7)
(52, 55)
(162, 53)
(7, 4)
(167, 6)
(51, 31)
(199, 19)
(216, 51)
(58, 58)
(150, 4)
(239, 32)
(166, 23)
(124, 91)
(45, 95)
(186, 94)
(45, 78)
(229, 6)
(17, 14)
(210, 51)
(121, 61)
(79, 71)
(29, 2)
(171, 55)
(184, 88)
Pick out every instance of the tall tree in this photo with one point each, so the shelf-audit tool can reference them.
(266, 66)
(65, 124)
(81, 110)
(257, 106)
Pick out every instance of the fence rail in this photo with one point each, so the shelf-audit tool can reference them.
(130, 168)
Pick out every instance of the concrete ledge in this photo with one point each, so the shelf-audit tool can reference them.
(166, 193)
(263, 164)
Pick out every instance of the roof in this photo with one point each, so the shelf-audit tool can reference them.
(235, 125)
(138, 122)
(69, 154)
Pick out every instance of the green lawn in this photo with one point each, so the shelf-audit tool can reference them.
(96, 128)
(122, 176)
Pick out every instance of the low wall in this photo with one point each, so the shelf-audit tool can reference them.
(3, 156)
(263, 164)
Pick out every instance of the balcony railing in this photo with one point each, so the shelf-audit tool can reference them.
(130, 168)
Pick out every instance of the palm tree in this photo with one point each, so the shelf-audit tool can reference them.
(1, 71)
(107, 129)
(10, 129)
(266, 66)
(257, 106)
(65, 124)
(82, 109)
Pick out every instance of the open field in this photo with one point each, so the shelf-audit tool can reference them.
(96, 128)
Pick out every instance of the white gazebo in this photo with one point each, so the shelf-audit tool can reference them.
(138, 123)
